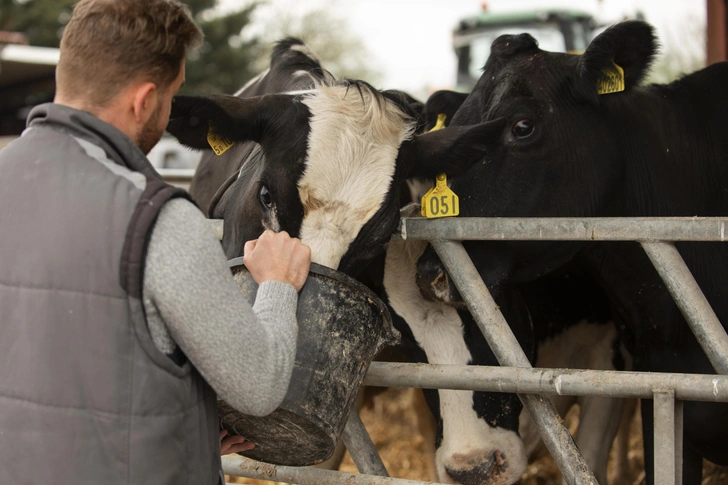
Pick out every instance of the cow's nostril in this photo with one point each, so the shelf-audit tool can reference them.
(472, 471)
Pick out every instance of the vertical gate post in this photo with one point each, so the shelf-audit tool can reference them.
(678, 441)
(360, 446)
(668, 437)
(692, 302)
(509, 353)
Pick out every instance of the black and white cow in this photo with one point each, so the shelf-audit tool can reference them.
(320, 158)
(568, 151)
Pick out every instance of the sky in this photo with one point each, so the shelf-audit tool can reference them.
(410, 41)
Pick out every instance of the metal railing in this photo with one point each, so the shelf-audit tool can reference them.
(179, 177)
(668, 390)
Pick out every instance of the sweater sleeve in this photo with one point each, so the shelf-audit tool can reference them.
(246, 354)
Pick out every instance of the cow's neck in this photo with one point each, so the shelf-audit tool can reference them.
(663, 134)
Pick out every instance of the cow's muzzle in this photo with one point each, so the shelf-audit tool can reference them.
(477, 469)
(433, 281)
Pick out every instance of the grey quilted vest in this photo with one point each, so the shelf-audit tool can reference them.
(85, 396)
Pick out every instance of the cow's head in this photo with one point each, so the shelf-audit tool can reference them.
(560, 152)
(324, 165)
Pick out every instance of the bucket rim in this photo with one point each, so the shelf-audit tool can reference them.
(322, 270)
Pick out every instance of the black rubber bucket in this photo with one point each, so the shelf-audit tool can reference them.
(342, 326)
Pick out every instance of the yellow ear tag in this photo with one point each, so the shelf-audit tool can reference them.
(611, 80)
(440, 124)
(440, 201)
(219, 144)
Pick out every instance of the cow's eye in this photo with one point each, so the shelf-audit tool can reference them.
(265, 197)
(523, 128)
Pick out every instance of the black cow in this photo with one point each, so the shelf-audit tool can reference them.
(568, 151)
(320, 158)
(569, 327)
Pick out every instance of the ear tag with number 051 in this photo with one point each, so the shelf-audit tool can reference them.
(219, 144)
(440, 201)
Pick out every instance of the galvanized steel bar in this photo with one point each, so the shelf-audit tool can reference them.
(692, 303)
(179, 177)
(508, 351)
(566, 229)
(481, 304)
(566, 382)
(558, 229)
(521, 379)
(360, 446)
(244, 467)
(679, 406)
(664, 432)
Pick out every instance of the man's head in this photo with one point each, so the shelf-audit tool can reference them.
(123, 60)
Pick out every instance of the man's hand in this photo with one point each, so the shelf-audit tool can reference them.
(233, 444)
(279, 257)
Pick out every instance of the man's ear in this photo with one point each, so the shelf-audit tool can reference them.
(145, 102)
(450, 150)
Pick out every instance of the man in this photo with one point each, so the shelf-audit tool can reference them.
(120, 322)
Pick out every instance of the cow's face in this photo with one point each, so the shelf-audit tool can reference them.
(325, 165)
(559, 153)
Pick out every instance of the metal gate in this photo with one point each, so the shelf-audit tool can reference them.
(656, 235)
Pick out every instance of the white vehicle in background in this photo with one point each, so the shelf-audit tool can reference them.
(174, 162)
(168, 154)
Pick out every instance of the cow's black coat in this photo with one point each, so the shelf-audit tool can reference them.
(566, 151)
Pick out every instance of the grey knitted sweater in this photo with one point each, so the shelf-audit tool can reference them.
(191, 301)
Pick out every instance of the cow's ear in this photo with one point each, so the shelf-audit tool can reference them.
(631, 45)
(442, 103)
(193, 118)
(451, 150)
(409, 105)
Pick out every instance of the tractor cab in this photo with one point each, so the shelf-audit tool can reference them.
(555, 30)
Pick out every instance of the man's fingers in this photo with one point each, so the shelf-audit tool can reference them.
(234, 444)
(249, 246)
(248, 445)
(279, 257)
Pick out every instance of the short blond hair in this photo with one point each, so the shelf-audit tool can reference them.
(108, 44)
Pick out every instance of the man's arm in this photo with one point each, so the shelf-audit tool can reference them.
(246, 354)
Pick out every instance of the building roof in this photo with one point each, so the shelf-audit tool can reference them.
(24, 64)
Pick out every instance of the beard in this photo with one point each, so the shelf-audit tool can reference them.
(151, 132)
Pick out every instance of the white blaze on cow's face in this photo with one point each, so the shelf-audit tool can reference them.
(353, 144)
(468, 442)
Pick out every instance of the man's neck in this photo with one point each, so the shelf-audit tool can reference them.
(111, 114)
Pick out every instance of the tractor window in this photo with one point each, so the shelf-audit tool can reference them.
(580, 37)
(549, 38)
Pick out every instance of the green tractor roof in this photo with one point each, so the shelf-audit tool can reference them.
(487, 18)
